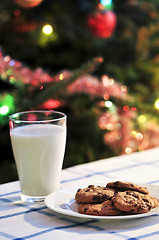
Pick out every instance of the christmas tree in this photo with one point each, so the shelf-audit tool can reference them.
(96, 60)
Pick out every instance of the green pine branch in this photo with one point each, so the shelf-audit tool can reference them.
(54, 90)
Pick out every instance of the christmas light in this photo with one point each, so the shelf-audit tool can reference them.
(134, 133)
(4, 110)
(6, 59)
(126, 108)
(124, 88)
(9, 72)
(139, 136)
(142, 119)
(157, 104)
(133, 108)
(12, 63)
(107, 81)
(106, 96)
(6, 104)
(128, 150)
(12, 80)
(61, 77)
(106, 2)
(47, 29)
(109, 127)
(108, 104)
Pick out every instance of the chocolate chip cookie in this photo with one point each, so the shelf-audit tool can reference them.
(108, 209)
(93, 194)
(105, 208)
(117, 198)
(133, 202)
(155, 201)
(123, 186)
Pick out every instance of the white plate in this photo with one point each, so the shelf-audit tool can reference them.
(63, 202)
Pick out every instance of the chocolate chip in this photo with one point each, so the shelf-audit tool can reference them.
(140, 208)
(131, 211)
(87, 190)
(91, 186)
(116, 183)
(150, 207)
(85, 210)
(96, 211)
(96, 198)
(104, 197)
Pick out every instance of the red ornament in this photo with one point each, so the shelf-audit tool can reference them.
(28, 3)
(102, 24)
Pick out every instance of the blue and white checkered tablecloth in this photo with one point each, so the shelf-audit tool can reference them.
(21, 221)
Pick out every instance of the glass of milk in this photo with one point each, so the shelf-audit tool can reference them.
(38, 141)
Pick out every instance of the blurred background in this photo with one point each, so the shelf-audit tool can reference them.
(95, 60)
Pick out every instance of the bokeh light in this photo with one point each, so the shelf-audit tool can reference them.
(108, 104)
(142, 119)
(106, 2)
(4, 110)
(157, 104)
(47, 29)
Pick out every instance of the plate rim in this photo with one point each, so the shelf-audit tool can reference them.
(71, 213)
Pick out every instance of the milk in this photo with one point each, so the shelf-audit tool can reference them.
(38, 151)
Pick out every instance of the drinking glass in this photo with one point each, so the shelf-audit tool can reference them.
(38, 141)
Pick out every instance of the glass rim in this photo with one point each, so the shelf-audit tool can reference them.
(14, 115)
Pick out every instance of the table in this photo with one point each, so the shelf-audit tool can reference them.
(21, 221)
